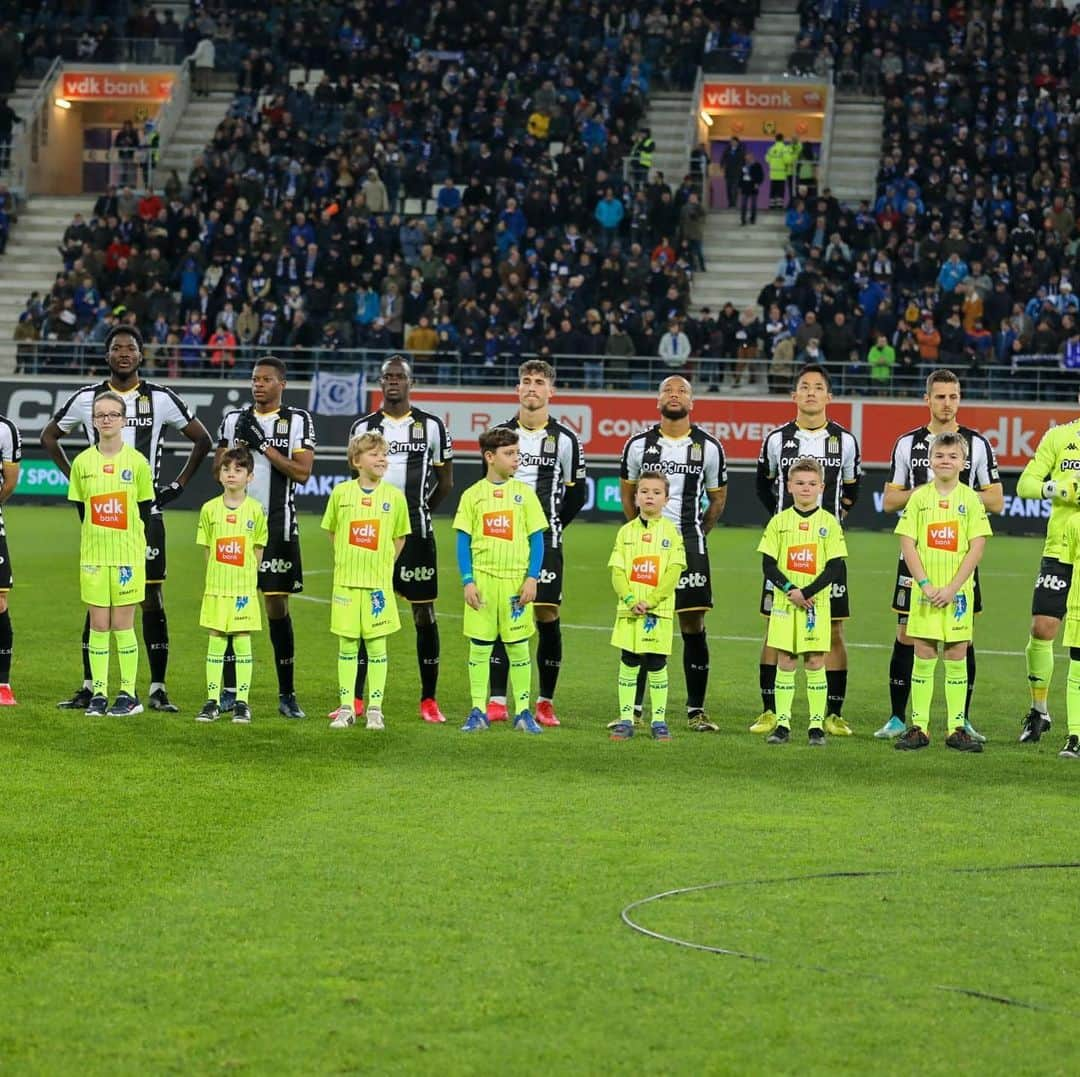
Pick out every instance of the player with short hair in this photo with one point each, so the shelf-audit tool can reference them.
(10, 459)
(500, 548)
(693, 461)
(232, 528)
(646, 562)
(802, 555)
(553, 464)
(910, 470)
(421, 466)
(282, 441)
(113, 489)
(1051, 474)
(943, 532)
(150, 410)
(368, 522)
(810, 433)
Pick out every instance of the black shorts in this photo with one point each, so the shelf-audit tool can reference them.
(6, 578)
(155, 548)
(1051, 589)
(694, 589)
(839, 602)
(549, 586)
(416, 573)
(281, 572)
(902, 593)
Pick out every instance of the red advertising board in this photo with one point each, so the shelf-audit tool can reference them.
(604, 421)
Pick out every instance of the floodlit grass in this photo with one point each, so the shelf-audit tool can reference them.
(287, 898)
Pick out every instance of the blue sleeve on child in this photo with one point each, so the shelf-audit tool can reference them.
(464, 556)
(536, 554)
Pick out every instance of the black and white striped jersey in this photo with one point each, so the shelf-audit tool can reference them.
(10, 453)
(290, 431)
(551, 459)
(419, 443)
(911, 460)
(694, 465)
(832, 444)
(150, 408)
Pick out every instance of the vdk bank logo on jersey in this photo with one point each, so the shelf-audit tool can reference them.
(365, 534)
(943, 536)
(802, 558)
(109, 510)
(230, 551)
(645, 570)
(499, 525)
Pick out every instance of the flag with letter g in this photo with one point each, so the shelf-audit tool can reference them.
(337, 394)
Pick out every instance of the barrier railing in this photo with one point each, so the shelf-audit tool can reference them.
(31, 134)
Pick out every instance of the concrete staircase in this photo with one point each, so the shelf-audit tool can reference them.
(192, 134)
(855, 152)
(741, 260)
(667, 119)
(774, 38)
(20, 104)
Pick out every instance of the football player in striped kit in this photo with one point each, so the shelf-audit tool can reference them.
(150, 410)
(10, 457)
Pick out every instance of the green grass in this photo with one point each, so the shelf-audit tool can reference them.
(288, 899)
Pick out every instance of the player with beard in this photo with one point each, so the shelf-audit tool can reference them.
(694, 463)
(150, 409)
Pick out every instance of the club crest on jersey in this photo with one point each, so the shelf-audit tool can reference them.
(109, 510)
(250, 525)
(418, 430)
(386, 506)
(695, 451)
(549, 445)
(645, 570)
(230, 551)
(943, 536)
(665, 544)
(823, 531)
(499, 525)
(281, 426)
(143, 406)
(802, 558)
(518, 499)
(241, 602)
(832, 445)
(365, 534)
(126, 475)
(378, 602)
(962, 509)
(125, 574)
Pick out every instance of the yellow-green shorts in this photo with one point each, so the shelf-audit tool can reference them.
(952, 624)
(646, 634)
(501, 616)
(363, 612)
(788, 630)
(229, 614)
(112, 585)
(1071, 638)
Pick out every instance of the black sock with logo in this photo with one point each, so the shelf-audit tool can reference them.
(549, 656)
(836, 686)
(498, 670)
(284, 644)
(767, 684)
(155, 630)
(695, 668)
(971, 680)
(427, 658)
(900, 666)
(7, 639)
(228, 669)
(361, 671)
(87, 675)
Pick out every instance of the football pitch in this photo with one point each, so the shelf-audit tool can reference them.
(285, 898)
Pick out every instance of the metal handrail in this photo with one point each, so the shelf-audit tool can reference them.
(825, 156)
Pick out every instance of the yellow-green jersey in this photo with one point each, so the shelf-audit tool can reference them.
(1070, 555)
(943, 526)
(232, 536)
(1057, 459)
(365, 524)
(802, 546)
(110, 489)
(645, 550)
(499, 518)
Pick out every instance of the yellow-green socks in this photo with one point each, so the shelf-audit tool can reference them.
(98, 650)
(922, 691)
(242, 649)
(376, 671)
(479, 657)
(956, 682)
(215, 663)
(520, 674)
(346, 670)
(1040, 669)
(127, 656)
(658, 690)
(785, 695)
(817, 695)
(627, 686)
(1072, 698)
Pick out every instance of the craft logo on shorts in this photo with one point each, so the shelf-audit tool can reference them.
(499, 525)
(365, 534)
(645, 570)
(109, 510)
(943, 536)
(230, 551)
(802, 558)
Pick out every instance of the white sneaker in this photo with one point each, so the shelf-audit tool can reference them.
(374, 718)
(343, 718)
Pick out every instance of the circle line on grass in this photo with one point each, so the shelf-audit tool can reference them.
(970, 992)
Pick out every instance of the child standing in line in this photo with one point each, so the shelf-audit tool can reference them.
(646, 562)
(232, 529)
(943, 531)
(802, 553)
(367, 519)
